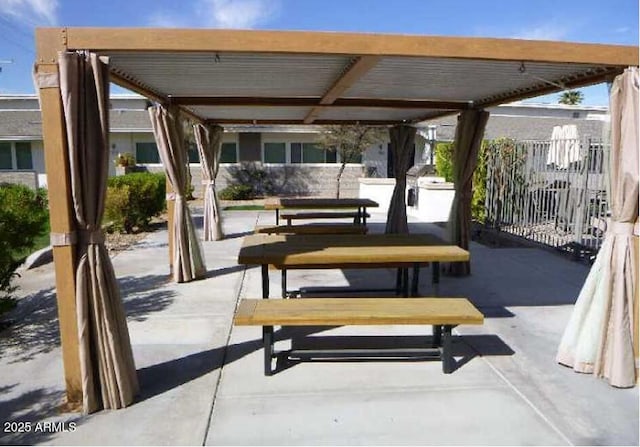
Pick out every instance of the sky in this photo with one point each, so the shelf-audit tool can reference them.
(602, 21)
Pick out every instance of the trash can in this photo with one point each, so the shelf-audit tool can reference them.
(411, 197)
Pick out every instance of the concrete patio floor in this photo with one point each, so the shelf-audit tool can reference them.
(202, 380)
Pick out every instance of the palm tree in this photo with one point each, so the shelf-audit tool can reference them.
(571, 97)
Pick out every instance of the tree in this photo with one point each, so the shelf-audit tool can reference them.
(350, 141)
(571, 97)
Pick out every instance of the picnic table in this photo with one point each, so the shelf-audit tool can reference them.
(317, 203)
(403, 251)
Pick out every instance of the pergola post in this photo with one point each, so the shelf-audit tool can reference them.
(48, 43)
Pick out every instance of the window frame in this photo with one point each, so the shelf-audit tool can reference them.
(158, 163)
(13, 155)
(287, 155)
(237, 153)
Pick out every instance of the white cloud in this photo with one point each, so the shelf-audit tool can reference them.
(162, 19)
(237, 13)
(31, 12)
(243, 14)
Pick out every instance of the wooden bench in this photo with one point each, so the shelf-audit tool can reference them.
(311, 229)
(358, 217)
(442, 313)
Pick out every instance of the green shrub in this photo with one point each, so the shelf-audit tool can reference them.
(133, 199)
(444, 168)
(478, 208)
(444, 160)
(261, 180)
(23, 219)
(237, 192)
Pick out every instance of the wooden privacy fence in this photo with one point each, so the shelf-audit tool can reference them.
(551, 192)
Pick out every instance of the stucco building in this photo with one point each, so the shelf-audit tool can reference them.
(288, 153)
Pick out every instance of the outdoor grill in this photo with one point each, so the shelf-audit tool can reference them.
(413, 174)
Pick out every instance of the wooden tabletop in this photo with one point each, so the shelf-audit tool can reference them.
(339, 250)
(278, 203)
(358, 311)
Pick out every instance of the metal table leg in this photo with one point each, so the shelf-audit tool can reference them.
(364, 216)
(448, 362)
(267, 339)
(277, 216)
(265, 281)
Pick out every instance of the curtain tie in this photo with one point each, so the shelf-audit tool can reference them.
(174, 196)
(209, 182)
(621, 228)
(90, 237)
(63, 239)
(75, 237)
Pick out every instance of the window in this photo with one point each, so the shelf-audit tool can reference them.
(296, 152)
(275, 153)
(311, 153)
(147, 153)
(192, 153)
(23, 155)
(228, 153)
(16, 155)
(5, 156)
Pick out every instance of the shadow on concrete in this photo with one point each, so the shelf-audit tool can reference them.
(143, 295)
(30, 410)
(162, 377)
(358, 348)
(35, 320)
(224, 271)
(34, 330)
(237, 235)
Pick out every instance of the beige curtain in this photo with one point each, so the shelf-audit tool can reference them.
(468, 139)
(106, 361)
(599, 336)
(188, 262)
(402, 140)
(209, 142)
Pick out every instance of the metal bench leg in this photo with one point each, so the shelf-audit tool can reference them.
(414, 279)
(405, 282)
(265, 281)
(437, 335)
(435, 277)
(277, 216)
(448, 362)
(284, 283)
(267, 339)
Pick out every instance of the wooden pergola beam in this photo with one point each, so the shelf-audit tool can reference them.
(378, 45)
(300, 122)
(360, 67)
(48, 44)
(252, 101)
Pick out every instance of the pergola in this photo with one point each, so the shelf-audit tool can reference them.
(272, 77)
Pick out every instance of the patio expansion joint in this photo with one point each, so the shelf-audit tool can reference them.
(522, 396)
(342, 392)
(224, 360)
